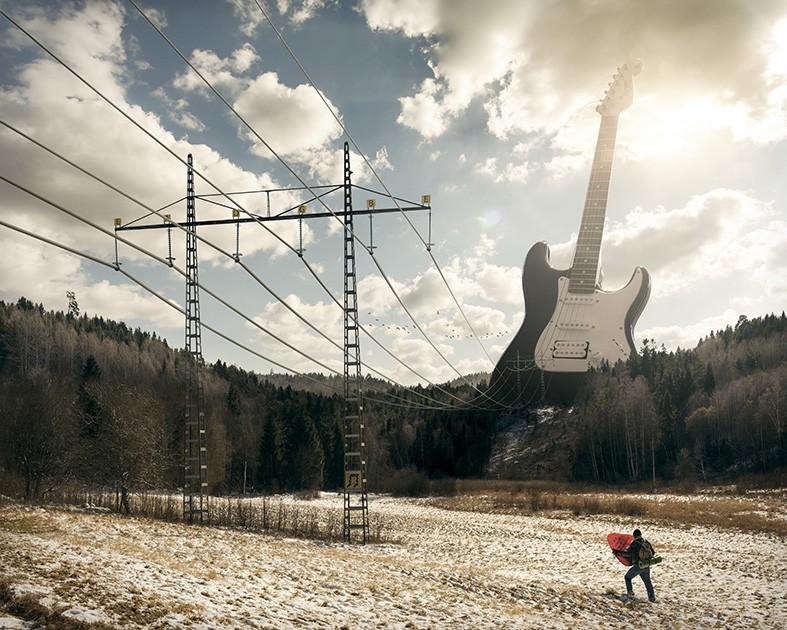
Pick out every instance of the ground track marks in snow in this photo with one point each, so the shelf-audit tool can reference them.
(448, 569)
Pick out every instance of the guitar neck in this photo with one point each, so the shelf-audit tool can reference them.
(583, 274)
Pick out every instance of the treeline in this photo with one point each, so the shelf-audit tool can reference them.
(88, 400)
(85, 400)
(701, 414)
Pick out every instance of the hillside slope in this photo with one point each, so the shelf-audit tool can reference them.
(536, 444)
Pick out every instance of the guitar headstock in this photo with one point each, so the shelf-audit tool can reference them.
(620, 94)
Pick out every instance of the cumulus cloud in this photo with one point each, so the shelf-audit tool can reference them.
(713, 236)
(535, 67)
(44, 273)
(480, 287)
(179, 113)
(250, 15)
(91, 41)
(424, 111)
(97, 27)
(293, 121)
(687, 336)
(413, 17)
(509, 172)
(295, 11)
(299, 11)
(222, 72)
(277, 318)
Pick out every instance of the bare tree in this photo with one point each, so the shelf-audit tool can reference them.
(129, 449)
(37, 428)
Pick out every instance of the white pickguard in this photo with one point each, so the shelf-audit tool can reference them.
(587, 329)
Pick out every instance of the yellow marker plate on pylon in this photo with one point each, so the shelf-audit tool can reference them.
(352, 480)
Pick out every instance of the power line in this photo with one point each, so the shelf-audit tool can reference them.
(294, 174)
(369, 335)
(427, 246)
(314, 274)
(119, 268)
(210, 244)
(214, 186)
(165, 262)
(153, 292)
(168, 263)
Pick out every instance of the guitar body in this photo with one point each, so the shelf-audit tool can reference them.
(586, 330)
(564, 334)
(516, 380)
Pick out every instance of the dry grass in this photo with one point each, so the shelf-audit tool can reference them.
(29, 608)
(24, 523)
(722, 513)
(728, 507)
(748, 510)
(265, 514)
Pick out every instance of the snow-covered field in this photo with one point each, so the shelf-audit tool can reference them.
(446, 569)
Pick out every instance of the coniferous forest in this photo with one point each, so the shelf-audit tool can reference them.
(91, 401)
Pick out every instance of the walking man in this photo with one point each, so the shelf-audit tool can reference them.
(640, 551)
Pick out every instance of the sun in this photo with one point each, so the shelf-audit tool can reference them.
(668, 125)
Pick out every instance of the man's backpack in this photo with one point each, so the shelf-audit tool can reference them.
(645, 551)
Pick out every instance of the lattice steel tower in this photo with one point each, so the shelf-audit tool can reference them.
(356, 502)
(195, 451)
(195, 487)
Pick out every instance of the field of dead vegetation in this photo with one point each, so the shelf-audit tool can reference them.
(514, 559)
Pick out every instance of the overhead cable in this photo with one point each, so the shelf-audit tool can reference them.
(426, 245)
(125, 115)
(294, 174)
(227, 195)
(201, 286)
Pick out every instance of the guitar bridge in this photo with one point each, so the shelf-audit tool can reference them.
(570, 350)
(573, 326)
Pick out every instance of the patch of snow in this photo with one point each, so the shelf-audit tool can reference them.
(13, 623)
(446, 569)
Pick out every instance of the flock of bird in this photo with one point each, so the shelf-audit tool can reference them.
(452, 334)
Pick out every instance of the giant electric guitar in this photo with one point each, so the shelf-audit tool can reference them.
(570, 324)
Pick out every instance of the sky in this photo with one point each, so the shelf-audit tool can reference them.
(489, 107)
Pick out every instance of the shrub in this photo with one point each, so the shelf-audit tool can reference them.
(407, 482)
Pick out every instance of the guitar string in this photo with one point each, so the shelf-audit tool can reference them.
(607, 131)
(569, 315)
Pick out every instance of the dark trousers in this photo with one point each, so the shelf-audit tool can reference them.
(635, 571)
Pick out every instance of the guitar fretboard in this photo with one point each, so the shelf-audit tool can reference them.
(583, 274)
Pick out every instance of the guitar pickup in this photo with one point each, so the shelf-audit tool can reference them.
(571, 349)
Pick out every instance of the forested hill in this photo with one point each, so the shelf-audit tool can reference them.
(89, 400)
(703, 414)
